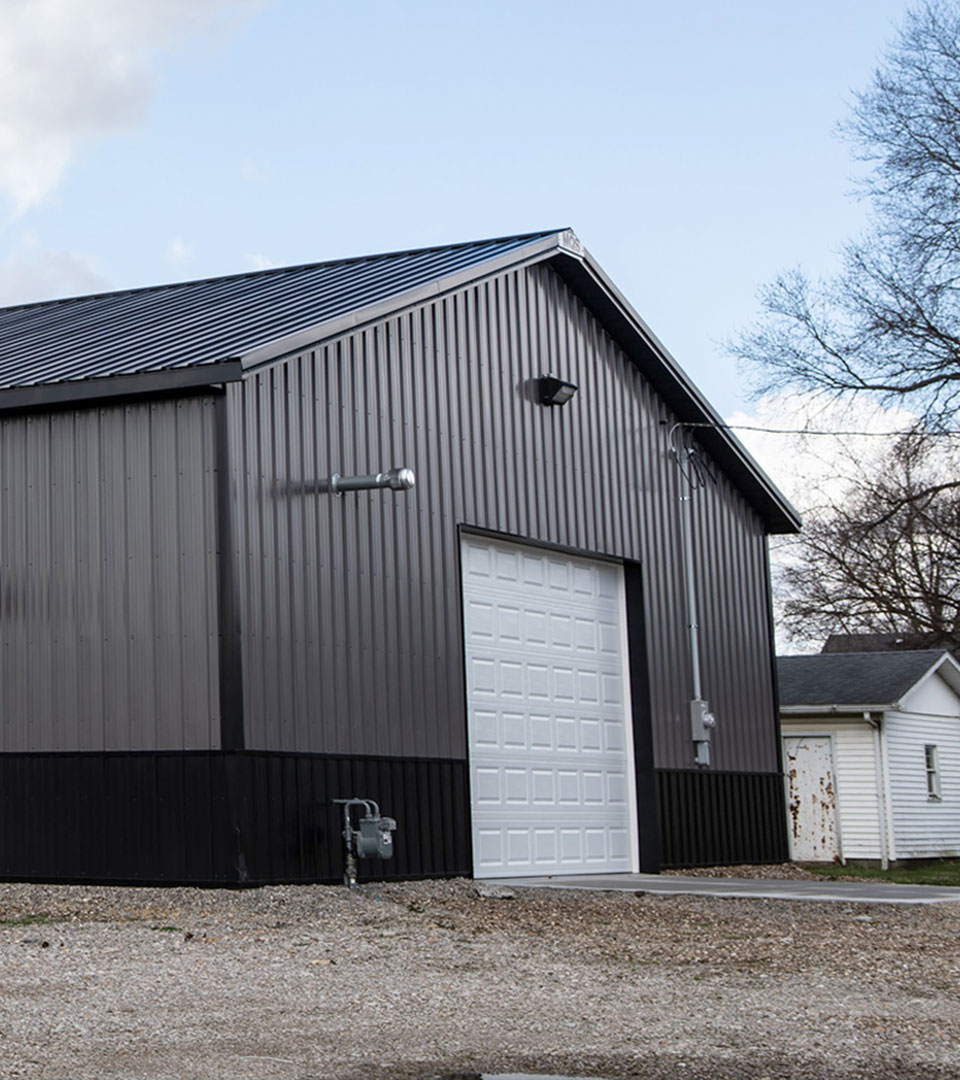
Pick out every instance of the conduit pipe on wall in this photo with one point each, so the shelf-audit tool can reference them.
(702, 720)
(401, 479)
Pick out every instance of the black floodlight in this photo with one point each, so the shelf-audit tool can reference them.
(554, 391)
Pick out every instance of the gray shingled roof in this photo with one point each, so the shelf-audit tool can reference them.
(204, 322)
(879, 678)
(905, 639)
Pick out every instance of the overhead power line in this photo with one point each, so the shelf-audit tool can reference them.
(809, 431)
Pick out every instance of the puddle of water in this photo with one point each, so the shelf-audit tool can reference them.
(512, 1076)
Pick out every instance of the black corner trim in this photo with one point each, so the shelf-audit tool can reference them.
(648, 823)
(228, 607)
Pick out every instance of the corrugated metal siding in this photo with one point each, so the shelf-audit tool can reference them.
(351, 606)
(215, 818)
(108, 579)
(203, 322)
(709, 817)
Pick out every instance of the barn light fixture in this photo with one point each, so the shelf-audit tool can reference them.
(401, 479)
(554, 391)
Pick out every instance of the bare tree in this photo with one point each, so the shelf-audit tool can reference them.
(889, 325)
(884, 556)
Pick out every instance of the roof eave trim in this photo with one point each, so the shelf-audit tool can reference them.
(823, 710)
(284, 346)
(81, 391)
(946, 667)
(697, 407)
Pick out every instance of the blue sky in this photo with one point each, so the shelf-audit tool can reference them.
(691, 146)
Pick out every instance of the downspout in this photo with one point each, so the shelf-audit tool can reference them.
(881, 776)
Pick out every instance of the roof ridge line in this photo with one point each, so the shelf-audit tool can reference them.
(278, 270)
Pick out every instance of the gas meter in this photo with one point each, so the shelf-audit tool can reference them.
(372, 840)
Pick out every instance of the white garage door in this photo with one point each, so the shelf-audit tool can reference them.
(550, 742)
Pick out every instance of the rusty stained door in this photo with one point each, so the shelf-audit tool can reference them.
(811, 798)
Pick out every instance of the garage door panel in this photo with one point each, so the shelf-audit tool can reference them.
(548, 711)
(533, 850)
(517, 735)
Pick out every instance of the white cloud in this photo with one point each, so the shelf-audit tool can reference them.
(73, 70)
(810, 467)
(259, 262)
(813, 470)
(251, 171)
(32, 273)
(177, 250)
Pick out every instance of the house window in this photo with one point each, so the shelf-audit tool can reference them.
(933, 772)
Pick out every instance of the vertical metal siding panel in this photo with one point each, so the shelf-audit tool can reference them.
(296, 567)
(503, 430)
(432, 459)
(139, 570)
(245, 401)
(401, 364)
(354, 684)
(533, 419)
(208, 721)
(204, 678)
(63, 574)
(314, 552)
(383, 529)
(282, 553)
(562, 329)
(38, 512)
(446, 388)
(90, 583)
(366, 504)
(114, 599)
(270, 425)
(193, 428)
(517, 465)
(336, 704)
(165, 580)
(83, 601)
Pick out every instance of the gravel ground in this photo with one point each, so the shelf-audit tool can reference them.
(426, 979)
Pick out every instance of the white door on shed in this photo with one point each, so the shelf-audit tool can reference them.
(552, 778)
(811, 798)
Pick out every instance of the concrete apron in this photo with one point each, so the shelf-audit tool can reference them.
(848, 892)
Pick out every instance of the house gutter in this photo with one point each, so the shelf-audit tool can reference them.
(835, 710)
(880, 769)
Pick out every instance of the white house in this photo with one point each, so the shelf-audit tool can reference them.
(871, 755)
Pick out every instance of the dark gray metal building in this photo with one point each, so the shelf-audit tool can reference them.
(201, 645)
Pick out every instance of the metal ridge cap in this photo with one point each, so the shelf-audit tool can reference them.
(684, 382)
(277, 348)
(211, 279)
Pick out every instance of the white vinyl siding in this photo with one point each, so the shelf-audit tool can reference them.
(857, 791)
(924, 827)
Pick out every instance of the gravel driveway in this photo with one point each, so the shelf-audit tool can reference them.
(425, 979)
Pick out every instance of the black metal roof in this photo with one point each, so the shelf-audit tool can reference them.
(875, 679)
(203, 322)
(211, 331)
